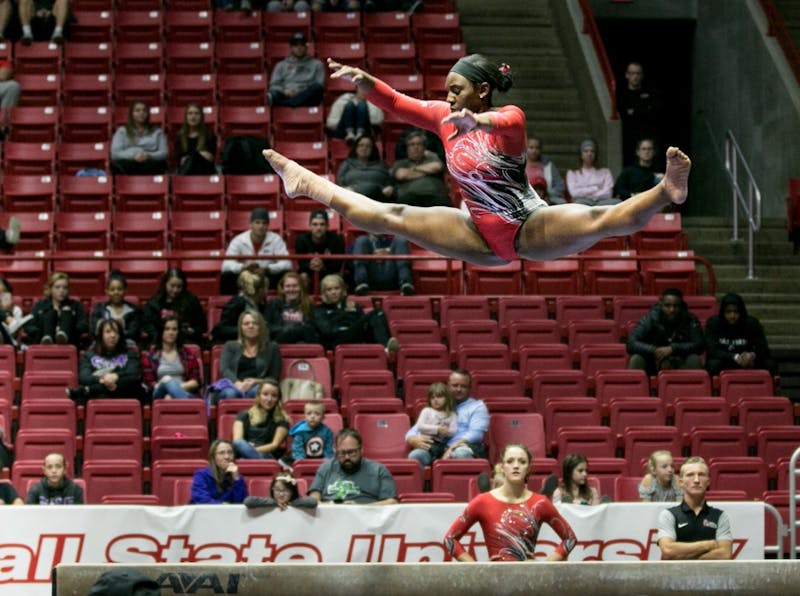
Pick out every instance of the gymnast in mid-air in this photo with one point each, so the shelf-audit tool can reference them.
(485, 150)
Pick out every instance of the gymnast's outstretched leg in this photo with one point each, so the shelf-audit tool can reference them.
(444, 230)
(561, 230)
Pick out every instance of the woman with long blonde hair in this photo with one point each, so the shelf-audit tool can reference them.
(260, 432)
(289, 313)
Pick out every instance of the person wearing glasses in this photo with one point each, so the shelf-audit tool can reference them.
(352, 479)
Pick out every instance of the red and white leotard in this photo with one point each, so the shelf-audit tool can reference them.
(510, 530)
(489, 166)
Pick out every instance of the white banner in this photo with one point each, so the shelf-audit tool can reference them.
(35, 539)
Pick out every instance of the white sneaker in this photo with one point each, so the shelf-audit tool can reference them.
(12, 232)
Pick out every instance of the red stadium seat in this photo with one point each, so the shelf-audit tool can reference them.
(36, 444)
(754, 412)
(83, 231)
(405, 308)
(282, 25)
(551, 278)
(142, 58)
(568, 411)
(245, 193)
(497, 383)
(336, 26)
(111, 444)
(134, 230)
(198, 193)
(141, 193)
(33, 124)
(453, 475)
(387, 26)
(439, 57)
(718, 441)
(739, 473)
(641, 441)
(626, 489)
(88, 57)
(693, 412)
(200, 88)
(188, 25)
(573, 308)
(612, 276)
(511, 309)
(735, 384)
(44, 414)
(235, 26)
(634, 411)
(394, 57)
(383, 435)
(317, 369)
(140, 26)
(610, 384)
(242, 89)
(490, 356)
(148, 88)
(298, 124)
(111, 477)
(361, 357)
(29, 159)
(555, 383)
(422, 357)
(85, 124)
(436, 27)
(40, 89)
(36, 231)
(598, 441)
(673, 269)
(662, 232)
(189, 58)
(165, 474)
(414, 332)
(111, 414)
(39, 57)
(74, 157)
(178, 442)
(310, 154)
(673, 384)
(240, 57)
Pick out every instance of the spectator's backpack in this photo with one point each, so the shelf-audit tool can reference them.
(242, 156)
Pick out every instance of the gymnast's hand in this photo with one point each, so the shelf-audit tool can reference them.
(464, 120)
(351, 73)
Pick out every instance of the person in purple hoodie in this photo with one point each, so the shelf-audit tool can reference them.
(221, 481)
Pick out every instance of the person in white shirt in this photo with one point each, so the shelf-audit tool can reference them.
(257, 241)
(589, 185)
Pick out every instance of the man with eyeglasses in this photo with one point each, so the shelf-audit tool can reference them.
(353, 479)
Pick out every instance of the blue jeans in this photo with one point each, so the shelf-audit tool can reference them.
(355, 117)
(245, 450)
(232, 392)
(172, 388)
(381, 275)
(424, 458)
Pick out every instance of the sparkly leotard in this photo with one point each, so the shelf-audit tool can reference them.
(510, 530)
(489, 166)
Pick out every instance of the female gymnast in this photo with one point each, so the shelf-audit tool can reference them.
(485, 150)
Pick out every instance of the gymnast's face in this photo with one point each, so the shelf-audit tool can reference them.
(462, 93)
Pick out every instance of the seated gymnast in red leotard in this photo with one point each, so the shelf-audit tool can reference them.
(511, 516)
(486, 155)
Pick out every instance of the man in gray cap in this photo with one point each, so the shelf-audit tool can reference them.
(298, 79)
(257, 241)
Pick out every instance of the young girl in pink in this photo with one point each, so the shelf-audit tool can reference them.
(438, 419)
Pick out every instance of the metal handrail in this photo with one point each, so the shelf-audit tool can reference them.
(793, 472)
(734, 160)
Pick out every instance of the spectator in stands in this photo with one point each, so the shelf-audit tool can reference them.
(641, 175)
(432, 143)
(538, 164)
(195, 144)
(511, 516)
(352, 116)
(11, 317)
(43, 19)
(174, 298)
(382, 275)
(170, 370)
(289, 315)
(363, 171)
(311, 437)
(342, 321)
(438, 419)
(252, 296)
(260, 432)
(128, 315)
(9, 495)
(660, 483)
(10, 89)
(10, 236)
(419, 177)
(246, 360)
(574, 487)
(288, 6)
(55, 488)
(298, 79)
(57, 317)
(352, 478)
(590, 185)
(283, 494)
(109, 368)
(221, 481)
(473, 423)
(539, 184)
(318, 240)
(640, 110)
(138, 147)
(735, 340)
(667, 337)
(257, 241)
(335, 5)
(693, 529)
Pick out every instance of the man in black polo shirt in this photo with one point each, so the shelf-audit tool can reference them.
(693, 529)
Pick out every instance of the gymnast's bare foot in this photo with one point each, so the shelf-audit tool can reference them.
(297, 180)
(676, 179)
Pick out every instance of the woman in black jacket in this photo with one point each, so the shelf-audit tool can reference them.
(174, 298)
(116, 307)
(109, 368)
(57, 317)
